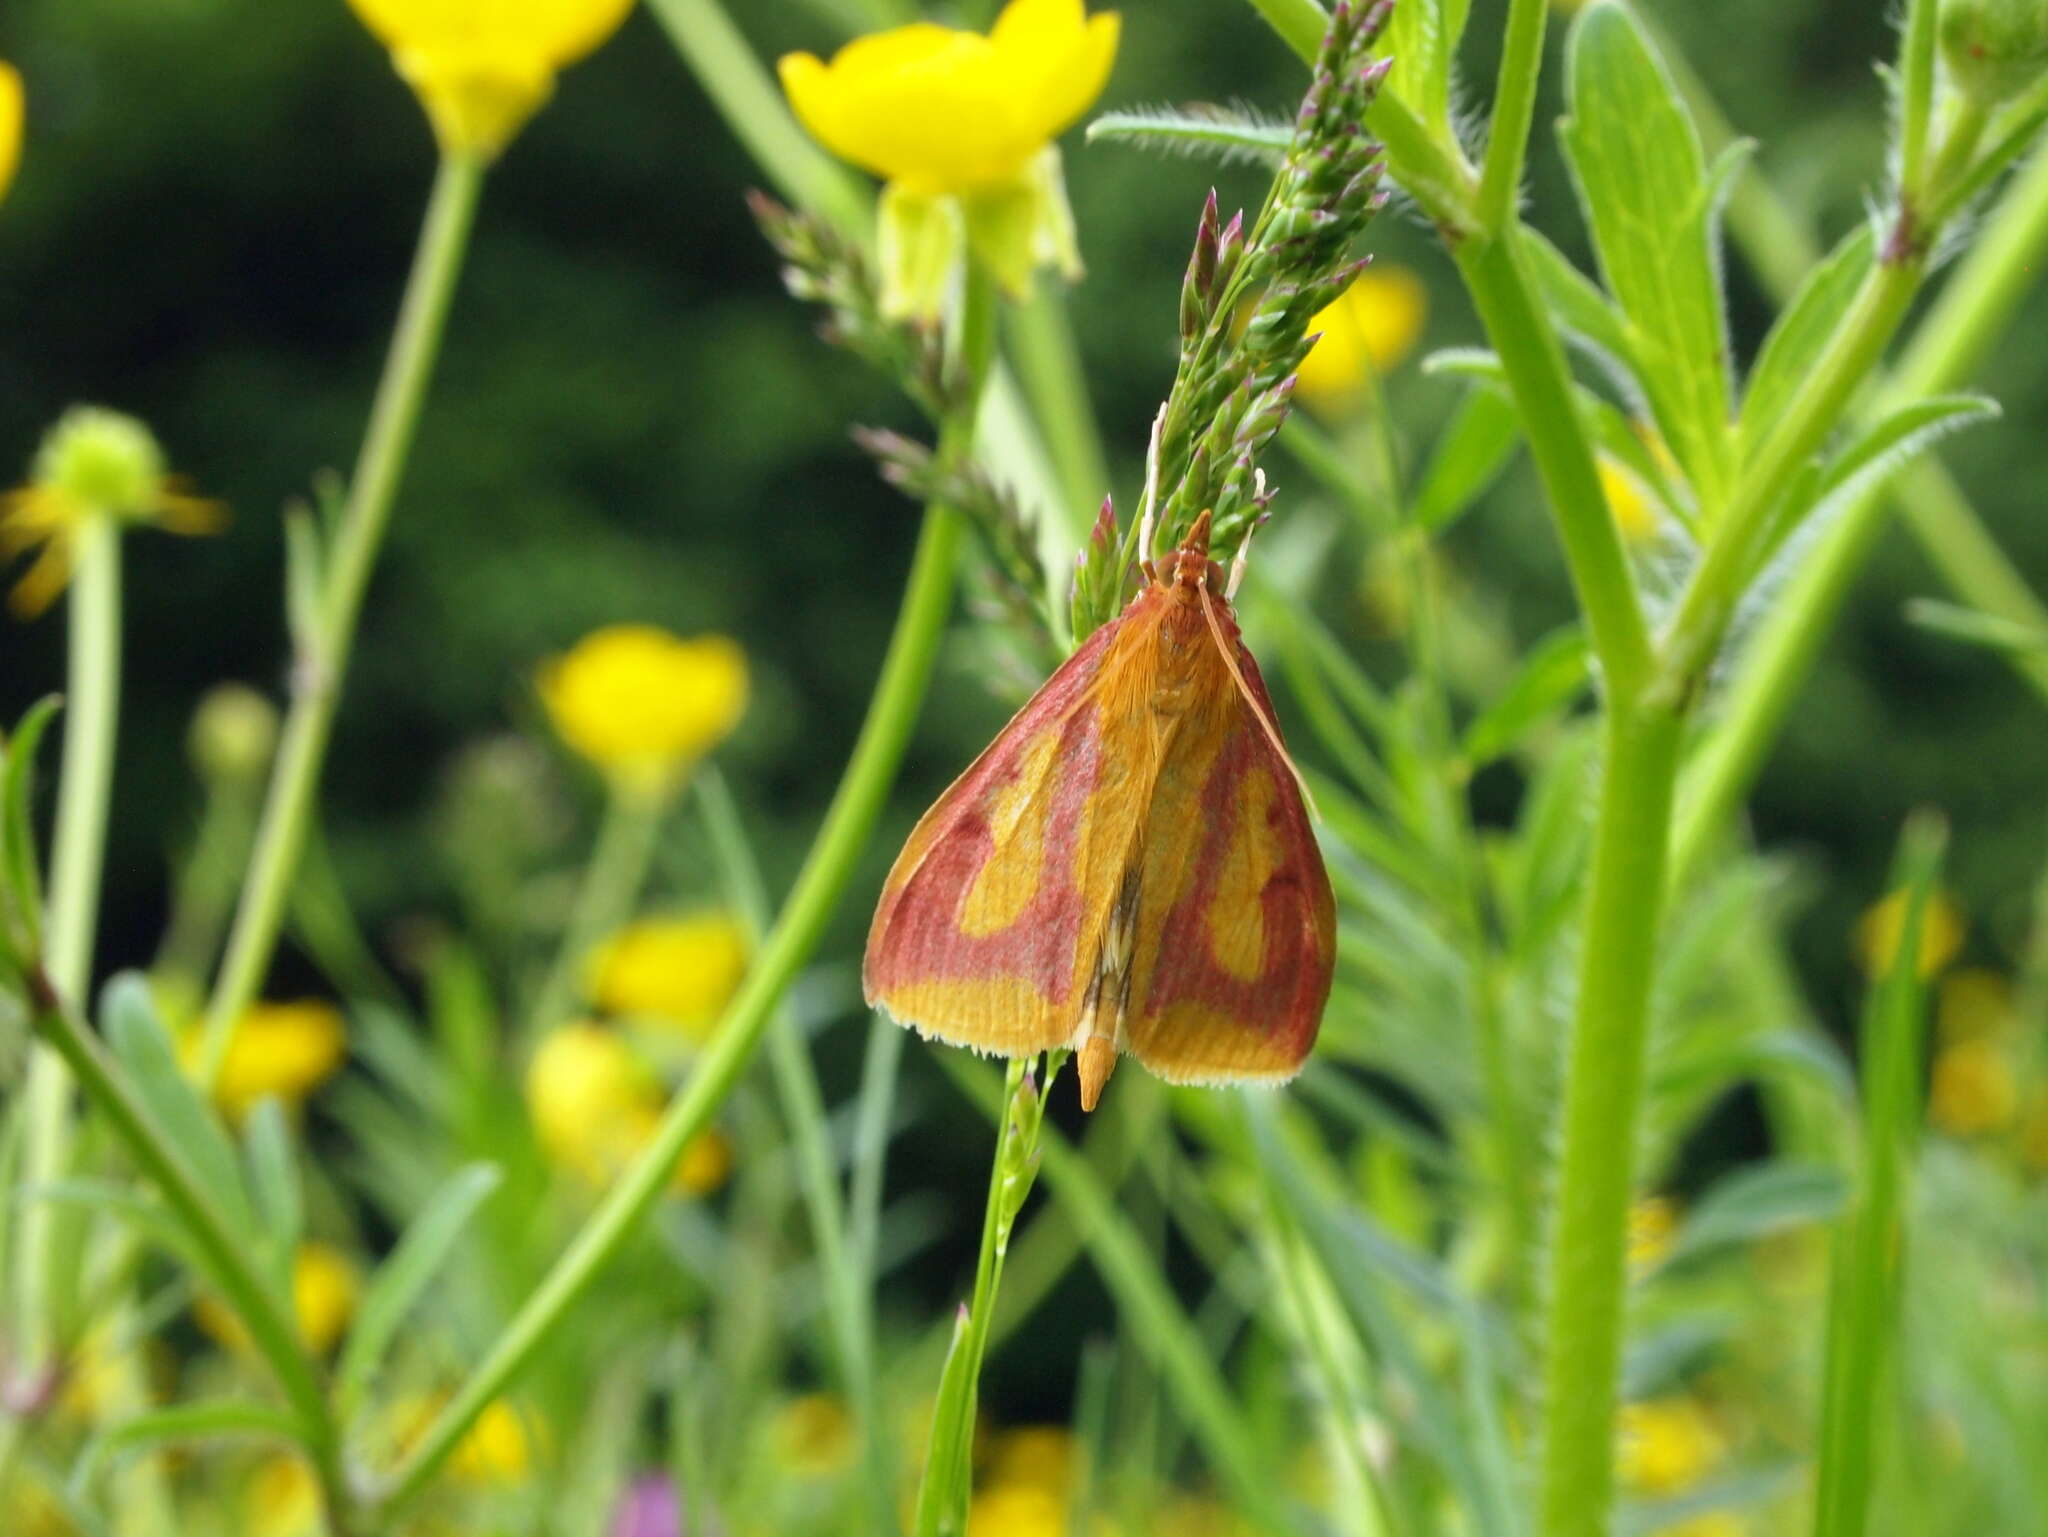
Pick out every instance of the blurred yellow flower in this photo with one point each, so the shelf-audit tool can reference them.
(814, 1435)
(324, 1290)
(1364, 332)
(1021, 1510)
(483, 67)
(1040, 1456)
(1973, 1090)
(12, 111)
(595, 1105)
(1627, 501)
(2033, 1133)
(643, 705)
(1652, 1223)
(679, 971)
(1877, 934)
(500, 1449)
(93, 464)
(281, 1051)
(1714, 1523)
(282, 1498)
(1974, 1002)
(1667, 1445)
(961, 127)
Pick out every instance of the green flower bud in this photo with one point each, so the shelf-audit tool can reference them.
(234, 732)
(1995, 48)
(102, 460)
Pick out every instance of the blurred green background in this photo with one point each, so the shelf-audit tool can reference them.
(217, 203)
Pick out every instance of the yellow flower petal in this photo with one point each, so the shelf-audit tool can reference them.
(482, 67)
(1667, 1445)
(942, 111)
(1365, 331)
(643, 705)
(1627, 501)
(12, 112)
(680, 972)
(814, 1435)
(1878, 931)
(278, 1050)
(1973, 1089)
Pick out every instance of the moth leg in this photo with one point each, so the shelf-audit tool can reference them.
(1109, 993)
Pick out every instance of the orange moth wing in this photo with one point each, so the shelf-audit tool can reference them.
(1128, 867)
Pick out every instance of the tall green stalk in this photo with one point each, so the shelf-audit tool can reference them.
(324, 645)
(1603, 1096)
(91, 726)
(611, 882)
(835, 853)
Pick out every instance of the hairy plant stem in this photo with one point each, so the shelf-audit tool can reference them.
(322, 659)
(1602, 1112)
(272, 1331)
(827, 870)
(91, 727)
(1976, 304)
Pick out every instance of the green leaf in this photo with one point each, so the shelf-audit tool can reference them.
(1897, 436)
(1751, 1203)
(182, 1425)
(1416, 43)
(1976, 628)
(1551, 677)
(1802, 332)
(1468, 457)
(17, 831)
(1585, 313)
(1859, 1391)
(947, 1484)
(138, 1040)
(274, 1189)
(1652, 207)
(392, 1293)
(1216, 132)
(145, 1213)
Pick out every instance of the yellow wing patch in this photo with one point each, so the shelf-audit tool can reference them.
(1006, 884)
(1237, 916)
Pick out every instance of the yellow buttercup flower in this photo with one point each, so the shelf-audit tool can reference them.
(282, 1498)
(1627, 501)
(500, 1449)
(678, 972)
(1041, 1456)
(814, 1435)
(12, 111)
(961, 127)
(1974, 1002)
(281, 1051)
(1020, 1510)
(1973, 1089)
(1652, 1224)
(595, 1106)
(1364, 332)
(93, 464)
(1941, 934)
(483, 67)
(1667, 1445)
(325, 1285)
(644, 705)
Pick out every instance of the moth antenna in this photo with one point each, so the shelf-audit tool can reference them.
(1239, 560)
(1148, 507)
(1272, 731)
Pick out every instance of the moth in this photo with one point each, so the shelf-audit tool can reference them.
(1128, 867)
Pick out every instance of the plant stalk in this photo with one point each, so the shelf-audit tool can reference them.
(323, 655)
(836, 852)
(78, 855)
(611, 884)
(1588, 1275)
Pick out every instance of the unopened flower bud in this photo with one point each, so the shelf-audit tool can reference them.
(1995, 48)
(102, 460)
(234, 732)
